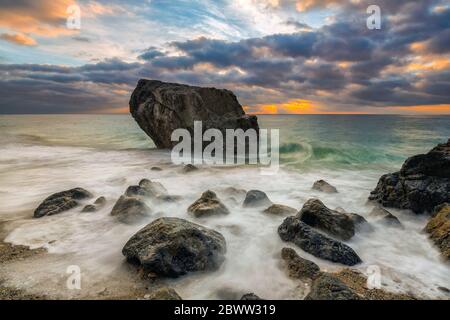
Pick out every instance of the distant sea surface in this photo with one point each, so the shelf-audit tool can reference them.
(44, 154)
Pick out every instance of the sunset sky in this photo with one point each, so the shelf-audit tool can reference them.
(277, 56)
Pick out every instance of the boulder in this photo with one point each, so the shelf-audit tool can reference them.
(339, 225)
(297, 267)
(146, 189)
(208, 205)
(439, 229)
(296, 231)
(130, 209)
(385, 217)
(171, 247)
(61, 201)
(329, 287)
(256, 198)
(422, 183)
(322, 185)
(159, 108)
(165, 293)
(279, 209)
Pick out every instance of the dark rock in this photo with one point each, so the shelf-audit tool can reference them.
(98, 204)
(439, 229)
(324, 186)
(250, 296)
(256, 198)
(130, 209)
(329, 287)
(207, 205)
(61, 201)
(444, 289)
(385, 217)
(146, 189)
(296, 231)
(422, 183)
(89, 208)
(159, 108)
(189, 168)
(279, 209)
(297, 267)
(101, 201)
(156, 169)
(168, 198)
(172, 247)
(165, 293)
(340, 225)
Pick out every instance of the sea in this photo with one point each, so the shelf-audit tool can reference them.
(44, 154)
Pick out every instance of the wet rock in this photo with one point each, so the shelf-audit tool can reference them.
(98, 204)
(156, 169)
(159, 108)
(61, 201)
(130, 209)
(189, 168)
(250, 296)
(168, 198)
(439, 229)
(165, 293)
(385, 217)
(208, 205)
(297, 267)
(339, 225)
(296, 231)
(256, 198)
(329, 287)
(146, 189)
(279, 209)
(237, 194)
(171, 247)
(422, 183)
(322, 185)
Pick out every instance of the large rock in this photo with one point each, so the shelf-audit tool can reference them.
(329, 287)
(171, 247)
(422, 183)
(159, 108)
(339, 225)
(279, 210)
(322, 185)
(296, 231)
(61, 201)
(439, 229)
(130, 209)
(298, 267)
(256, 198)
(208, 205)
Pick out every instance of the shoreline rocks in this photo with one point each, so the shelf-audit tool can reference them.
(61, 201)
(422, 183)
(159, 108)
(296, 231)
(279, 210)
(329, 287)
(97, 205)
(130, 209)
(208, 205)
(439, 229)
(171, 247)
(322, 185)
(385, 217)
(256, 198)
(298, 267)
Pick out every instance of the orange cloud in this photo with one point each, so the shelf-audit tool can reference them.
(18, 38)
(425, 109)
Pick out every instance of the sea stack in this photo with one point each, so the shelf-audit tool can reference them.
(159, 108)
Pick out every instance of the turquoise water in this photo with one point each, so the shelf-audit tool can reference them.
(306, 141)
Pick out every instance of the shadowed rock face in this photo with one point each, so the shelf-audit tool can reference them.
(61, 201)
(159, 108)
(422, 184)
(439, 229)
(329, 287)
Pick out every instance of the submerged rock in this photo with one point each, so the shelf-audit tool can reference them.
(156, 169)
(422, 183)
(237, 194)
(385, 217)
(61, 201)
(256, 198)
(130, 209)
(98, 204)
(159, 108)
(439, 229)
(279, 209)
(329, 287)
(340, 225)
(322, 185)
(189, 168)
(208, 205)
(146, 188)
(250, 296)
(165, 293)
(297, 267)
(296, 231)
(172, 247)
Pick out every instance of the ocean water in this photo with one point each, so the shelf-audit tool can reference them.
(41, 155)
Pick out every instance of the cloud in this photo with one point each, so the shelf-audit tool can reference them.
(18, 38)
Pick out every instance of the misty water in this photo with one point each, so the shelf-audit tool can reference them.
(41, 155)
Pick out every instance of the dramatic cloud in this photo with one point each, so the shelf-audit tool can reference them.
(341, 66)
(18, 38)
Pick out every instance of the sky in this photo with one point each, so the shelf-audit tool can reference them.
(277, 56)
